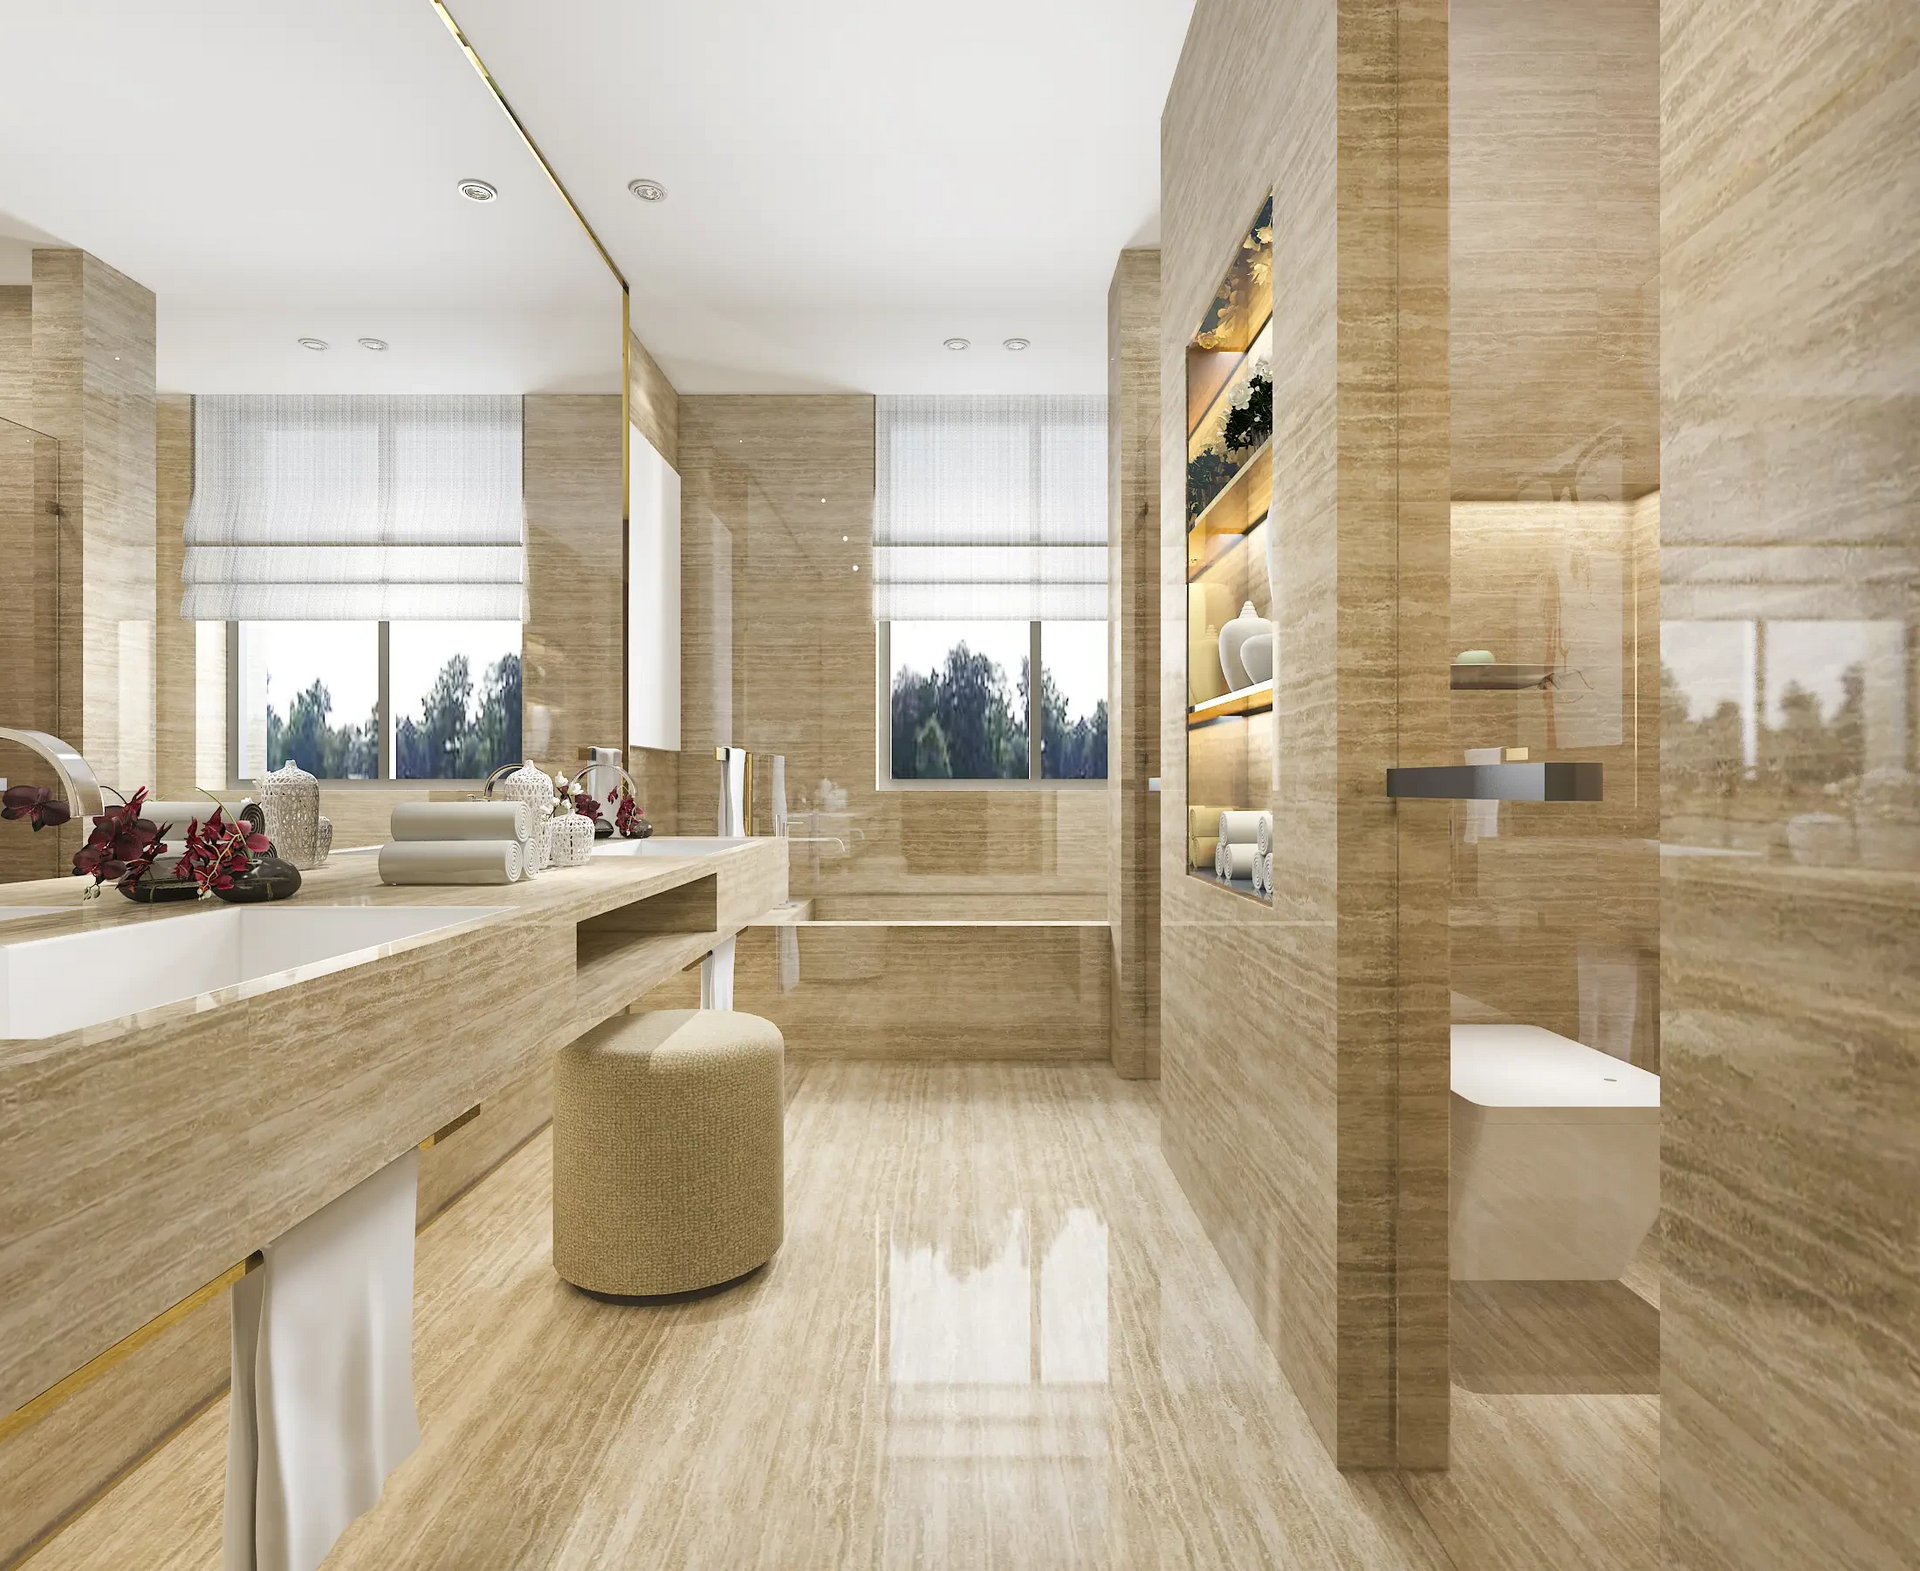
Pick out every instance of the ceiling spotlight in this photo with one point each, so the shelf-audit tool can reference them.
(477, 191)
(958, 343)
(377, 345)
(315, 344)
(1017, 344)
(648, 190)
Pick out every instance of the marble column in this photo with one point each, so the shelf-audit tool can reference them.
(1133, 696)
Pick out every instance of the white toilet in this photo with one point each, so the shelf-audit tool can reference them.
(1556, 1157)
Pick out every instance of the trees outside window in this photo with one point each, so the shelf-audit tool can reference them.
(960, 703)
(317, 693)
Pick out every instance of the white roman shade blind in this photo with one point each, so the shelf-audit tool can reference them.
(990, 508)
(348, 508)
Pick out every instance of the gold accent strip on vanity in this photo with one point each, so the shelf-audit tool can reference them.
(31, 1412)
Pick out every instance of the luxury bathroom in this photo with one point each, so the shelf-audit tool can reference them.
(1196, 852)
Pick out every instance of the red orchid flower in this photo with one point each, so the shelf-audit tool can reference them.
(35, 804)
(586, 806)
(629, 815)
(218, 852)
(121, 846)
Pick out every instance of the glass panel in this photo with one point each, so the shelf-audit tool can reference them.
(311, 694)
(1073, 700)
(959, 700)
(456, 698)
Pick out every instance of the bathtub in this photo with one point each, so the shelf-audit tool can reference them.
(929, 985)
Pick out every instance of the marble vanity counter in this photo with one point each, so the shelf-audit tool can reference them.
(143, 1154)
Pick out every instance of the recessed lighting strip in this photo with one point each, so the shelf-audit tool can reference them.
(533, 147)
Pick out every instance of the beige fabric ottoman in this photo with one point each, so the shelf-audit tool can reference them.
(668, 1151)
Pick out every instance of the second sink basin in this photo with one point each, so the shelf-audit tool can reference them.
(51, 985)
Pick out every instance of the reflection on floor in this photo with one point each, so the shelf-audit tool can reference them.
(996, 1336)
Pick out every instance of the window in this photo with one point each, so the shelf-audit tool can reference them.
(320, 694)
(990, 564)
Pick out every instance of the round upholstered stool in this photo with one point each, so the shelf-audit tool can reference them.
(668, 1154)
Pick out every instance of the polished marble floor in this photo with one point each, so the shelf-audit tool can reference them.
(995, 1337)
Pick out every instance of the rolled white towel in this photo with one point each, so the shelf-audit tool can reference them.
(1263, 835)
(1241, 828)
(428, 821)
(1238, 860)
(451, 862)
(1220, 859)
(1265, 878)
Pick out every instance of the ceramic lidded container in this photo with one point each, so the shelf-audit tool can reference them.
(1244, 626)
(290, 799)
(569, 839)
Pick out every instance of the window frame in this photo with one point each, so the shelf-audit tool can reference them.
(386, 780)
(1035, 780)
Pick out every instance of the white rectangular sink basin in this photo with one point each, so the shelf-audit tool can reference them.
(51, 985)
(668, 845)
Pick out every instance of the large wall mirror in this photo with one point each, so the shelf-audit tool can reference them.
(298, 338)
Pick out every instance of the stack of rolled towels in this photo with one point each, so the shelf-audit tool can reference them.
(458, 843)
(1203, 836)
(1244, 849)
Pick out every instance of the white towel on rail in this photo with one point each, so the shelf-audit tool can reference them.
(322, 1375)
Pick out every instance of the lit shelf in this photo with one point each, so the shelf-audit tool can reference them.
(1217, 549)
(1240, 504)
(1500, 678)
(1241, 701)
(1242, 887)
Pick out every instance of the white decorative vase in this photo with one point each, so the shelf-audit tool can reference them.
(1256, 654)
(530, 785)
(290, 799)
(323, 842)
(1232, 636)
(569, 839)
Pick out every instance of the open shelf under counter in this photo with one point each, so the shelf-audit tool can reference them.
(1241, 701)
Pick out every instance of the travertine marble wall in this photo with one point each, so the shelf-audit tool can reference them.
(1790, 242)
(93, 390)
(1133, 694)
(1304, 1047)
(779, 655)
(573, 653)
(1554, 336)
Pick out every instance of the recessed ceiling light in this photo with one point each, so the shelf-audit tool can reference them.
(648, 190)
(312, 343)
(478, 191)
(958, 343)
(1017, 344)
(377, 345)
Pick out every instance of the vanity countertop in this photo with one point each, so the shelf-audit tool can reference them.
(144, 1153)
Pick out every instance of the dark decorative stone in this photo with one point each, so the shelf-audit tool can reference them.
(602, 830)
(153, 891)
(268, 879)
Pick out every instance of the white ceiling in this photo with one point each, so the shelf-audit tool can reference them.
(271, 171)
(852, 181)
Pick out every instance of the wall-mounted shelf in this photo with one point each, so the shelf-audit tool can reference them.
(1544, 782)
(1242, 887)
(1241, 701)
(1241, 504)
(1501, 678)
